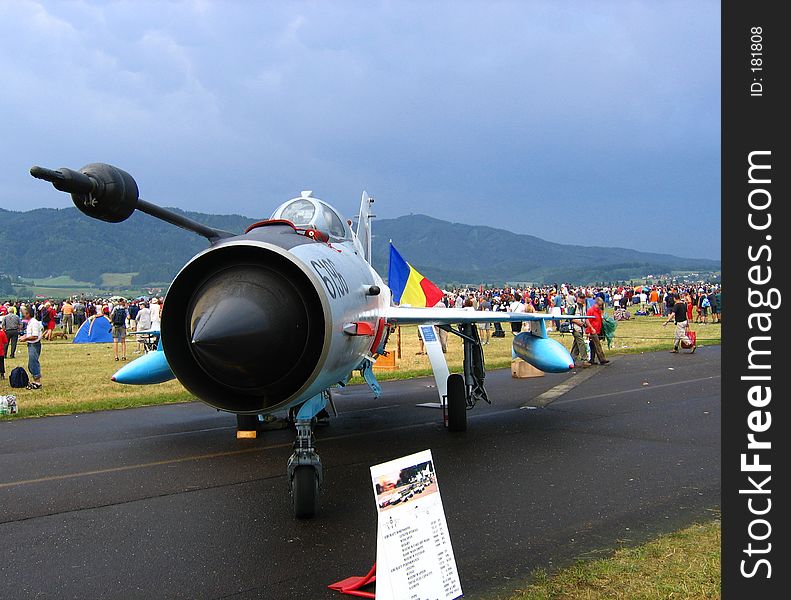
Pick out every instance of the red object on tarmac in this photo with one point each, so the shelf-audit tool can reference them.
(351, 586)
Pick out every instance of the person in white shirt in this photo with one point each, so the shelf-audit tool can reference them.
(33, 334)
(518, 305)
(154, 307)
(143, 324)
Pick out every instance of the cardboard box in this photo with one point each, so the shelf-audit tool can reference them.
(522, 370)
(386, 362)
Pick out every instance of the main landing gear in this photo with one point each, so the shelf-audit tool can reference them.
(464, 391)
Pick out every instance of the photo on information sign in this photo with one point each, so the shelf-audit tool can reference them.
(404, 485)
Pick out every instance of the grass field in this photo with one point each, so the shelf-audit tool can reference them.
(639, 334)
(685, 564)
(61, 281)
(63, 286)
(76, 377)
(117, 281)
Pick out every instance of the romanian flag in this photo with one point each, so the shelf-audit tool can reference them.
(409, 286)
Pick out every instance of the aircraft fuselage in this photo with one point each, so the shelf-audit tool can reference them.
(266, 320)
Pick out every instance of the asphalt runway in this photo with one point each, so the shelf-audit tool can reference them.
(165, 502)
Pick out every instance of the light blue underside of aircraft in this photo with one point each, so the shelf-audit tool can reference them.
(533, 347)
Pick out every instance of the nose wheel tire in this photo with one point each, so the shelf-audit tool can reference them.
(305, 492)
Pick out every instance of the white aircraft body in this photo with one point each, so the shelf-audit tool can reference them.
(272, 319)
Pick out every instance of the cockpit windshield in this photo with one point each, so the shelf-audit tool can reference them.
(299, 212)
(334, 222)
(311, 213)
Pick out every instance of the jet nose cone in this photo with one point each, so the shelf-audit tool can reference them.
(249, 326)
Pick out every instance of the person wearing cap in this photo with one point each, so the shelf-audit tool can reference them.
(155, 309)
(142, 323)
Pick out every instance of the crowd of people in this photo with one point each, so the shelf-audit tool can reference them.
(702, 303)
(35, 321)
(704, 299)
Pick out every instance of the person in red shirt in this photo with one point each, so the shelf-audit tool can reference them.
(593, 327)
(53, 317)
(47, 317)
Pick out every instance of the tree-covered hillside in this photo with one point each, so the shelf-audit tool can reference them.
(49, 242)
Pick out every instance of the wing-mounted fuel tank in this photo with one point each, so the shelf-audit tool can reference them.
(543, 353)
(535, 347)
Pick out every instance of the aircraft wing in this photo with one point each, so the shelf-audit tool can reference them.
(404, 315)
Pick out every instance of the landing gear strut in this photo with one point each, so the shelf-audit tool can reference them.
(474, 367)
(305, 473)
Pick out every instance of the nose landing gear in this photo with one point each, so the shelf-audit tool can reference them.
(305, 473)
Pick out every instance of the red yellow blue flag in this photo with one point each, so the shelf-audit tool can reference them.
(408, 286)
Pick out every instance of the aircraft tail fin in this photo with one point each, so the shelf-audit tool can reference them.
(364, 224)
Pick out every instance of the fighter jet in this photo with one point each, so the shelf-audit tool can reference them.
(273, 318)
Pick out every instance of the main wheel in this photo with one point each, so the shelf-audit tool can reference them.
(305, 492)
(457, 403)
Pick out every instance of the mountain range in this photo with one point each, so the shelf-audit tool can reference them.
(45, 242)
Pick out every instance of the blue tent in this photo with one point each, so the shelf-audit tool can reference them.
(96, 330)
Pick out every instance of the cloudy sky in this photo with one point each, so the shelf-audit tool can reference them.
(594, 123)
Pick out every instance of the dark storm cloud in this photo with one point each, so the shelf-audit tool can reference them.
(593, 123)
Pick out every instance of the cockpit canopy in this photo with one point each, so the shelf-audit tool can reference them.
(307, 212)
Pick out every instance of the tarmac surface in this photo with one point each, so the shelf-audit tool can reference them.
(165, 502)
